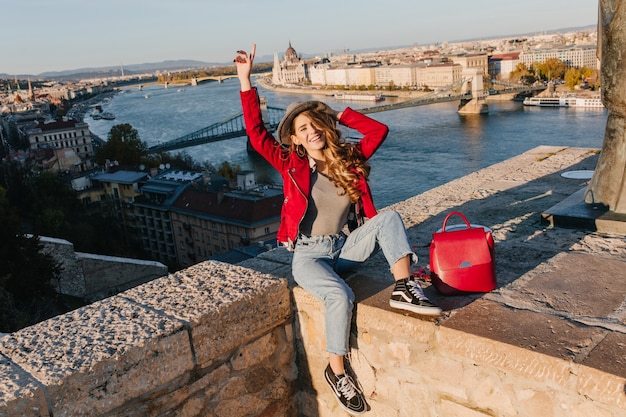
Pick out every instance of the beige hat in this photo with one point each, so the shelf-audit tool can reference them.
(293, 110)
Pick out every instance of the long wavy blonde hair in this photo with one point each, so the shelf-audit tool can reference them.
(344, 160)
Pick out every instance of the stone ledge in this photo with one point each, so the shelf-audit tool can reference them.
(21, 392)
(232, 294)
(159, 339)
(110, 338)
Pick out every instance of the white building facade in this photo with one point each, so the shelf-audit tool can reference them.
(573, 57)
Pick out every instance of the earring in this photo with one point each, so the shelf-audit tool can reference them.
(300, 151)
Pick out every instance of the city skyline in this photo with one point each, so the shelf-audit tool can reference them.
(71, 34)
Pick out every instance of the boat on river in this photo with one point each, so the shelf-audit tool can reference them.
(566, 101)
(359, 97)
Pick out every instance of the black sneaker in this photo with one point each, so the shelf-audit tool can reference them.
(349, 396)
(408, 295)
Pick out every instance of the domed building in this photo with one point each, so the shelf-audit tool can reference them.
(291, 70)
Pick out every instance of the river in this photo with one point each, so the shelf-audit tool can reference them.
(427, 145)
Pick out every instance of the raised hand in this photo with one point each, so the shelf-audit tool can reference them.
(243, 62)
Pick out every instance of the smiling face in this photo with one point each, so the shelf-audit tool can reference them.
(308, 135)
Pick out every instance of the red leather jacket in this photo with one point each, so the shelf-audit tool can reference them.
(296, 171)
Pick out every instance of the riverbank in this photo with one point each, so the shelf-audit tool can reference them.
(396, 94)
(330, 92)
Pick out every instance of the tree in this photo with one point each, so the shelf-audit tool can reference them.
(550, 69)
(229, 171)
(26, 274)
(123, 145)
(522, 73)
(574, 77)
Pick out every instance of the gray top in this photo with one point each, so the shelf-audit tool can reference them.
(328, 211)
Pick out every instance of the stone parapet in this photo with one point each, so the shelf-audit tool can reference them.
(205, 341)
(71, 280)
(224, 340)
(93, 277)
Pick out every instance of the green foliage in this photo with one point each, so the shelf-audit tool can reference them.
(572, 78)
(26, 274)
(229, 171)
(123, 145)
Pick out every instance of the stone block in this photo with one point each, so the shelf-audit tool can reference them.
(109, 275)
(602, 387)
(508, 358)
(94, 359)
(579, 284)
(537, 332)
(609, 355)
(271, 267)
(71, 279)
(226, 305)
(20, 393)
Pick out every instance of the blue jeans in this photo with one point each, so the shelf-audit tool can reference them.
(318, 261)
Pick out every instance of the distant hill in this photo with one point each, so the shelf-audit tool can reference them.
(81, 73)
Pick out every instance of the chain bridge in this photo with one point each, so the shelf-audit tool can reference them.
(468, 91)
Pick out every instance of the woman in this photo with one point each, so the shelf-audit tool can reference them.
(325, 187)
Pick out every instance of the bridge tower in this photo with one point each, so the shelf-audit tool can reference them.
(474, 83)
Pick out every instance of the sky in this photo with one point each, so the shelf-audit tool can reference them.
(43, 35)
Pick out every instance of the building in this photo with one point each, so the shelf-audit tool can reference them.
(434, 73)
(208, 223)
(121, 185)
(472, 61)
(291, 70)
(317, 73)
(153, 216)
(116, 192)
(572, 56)
(501, 65)
(72, 138)
(437, 75)
(185, 217)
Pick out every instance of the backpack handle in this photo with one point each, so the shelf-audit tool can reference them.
(454, 213)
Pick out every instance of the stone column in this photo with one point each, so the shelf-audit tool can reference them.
(608, 184)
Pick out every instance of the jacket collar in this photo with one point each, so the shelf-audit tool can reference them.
(312, 164)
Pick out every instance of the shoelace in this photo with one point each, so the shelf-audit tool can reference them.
(415, 289)
(346, 387)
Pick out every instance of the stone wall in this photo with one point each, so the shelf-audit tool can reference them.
(94, 277)
(109, 275)
(71, 280)
(211, 340)
(408, 366)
